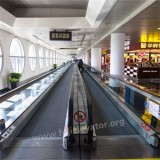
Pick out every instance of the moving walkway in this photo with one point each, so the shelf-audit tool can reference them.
(17, 110)
(139, 107)
(112, 139)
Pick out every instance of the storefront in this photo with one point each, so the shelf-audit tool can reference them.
(142, 72)
(142, 60)
(103, 59)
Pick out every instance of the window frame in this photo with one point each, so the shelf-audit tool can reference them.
(32, 58)
(1, 48)
(47, 57)
(41, 59)
(51, 58)
(22, 55)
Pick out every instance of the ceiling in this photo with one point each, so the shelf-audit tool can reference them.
(90, 21)
(12, 5)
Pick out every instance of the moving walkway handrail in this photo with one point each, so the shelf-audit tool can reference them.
(146, 93)
(115, 92)
(79, 102)
(25, 85)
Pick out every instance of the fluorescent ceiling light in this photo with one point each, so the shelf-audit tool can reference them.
(79, 49)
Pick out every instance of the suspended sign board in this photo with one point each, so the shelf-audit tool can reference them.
(60, 36)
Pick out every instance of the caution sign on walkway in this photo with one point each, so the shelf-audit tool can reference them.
(79, 116)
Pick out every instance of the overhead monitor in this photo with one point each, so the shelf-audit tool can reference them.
(60, 36)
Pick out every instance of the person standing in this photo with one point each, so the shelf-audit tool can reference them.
(80, 65)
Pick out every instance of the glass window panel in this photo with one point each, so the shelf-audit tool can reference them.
(32, 57)
(51, 58)
(41, 57)
(0, 58)
(17, 55)
(47, 58)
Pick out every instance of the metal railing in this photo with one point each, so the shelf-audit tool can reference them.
(18, 109)
(144, 105)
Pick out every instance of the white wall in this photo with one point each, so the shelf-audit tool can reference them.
(5, 40)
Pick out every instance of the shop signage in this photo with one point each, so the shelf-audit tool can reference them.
(148, 72)
(104, 51)
(154, 109)
(150, 45)
(141, 54)
(144, 45)
(60, 36)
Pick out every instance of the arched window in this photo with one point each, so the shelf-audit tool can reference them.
(16, 56)
(47, 58)
(51, 57)
(41, 58)
(0, 57)
(32, 57)
(54, 57)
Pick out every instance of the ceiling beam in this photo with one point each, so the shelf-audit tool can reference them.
(124, 21)
(6, 17)
(49, 12)
(55, 23)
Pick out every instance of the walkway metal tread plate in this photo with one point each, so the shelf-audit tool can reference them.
(120, 140)
(108, 147)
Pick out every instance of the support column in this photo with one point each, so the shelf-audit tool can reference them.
(83, 57)
(117, 57)
(117, 54)
(96, 58)
(86, 58)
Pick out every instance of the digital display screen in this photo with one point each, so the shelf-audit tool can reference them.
(60, 36)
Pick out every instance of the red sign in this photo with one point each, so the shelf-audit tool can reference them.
(79, 116)
(141, 54)
(143, 45)
(146, 127)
